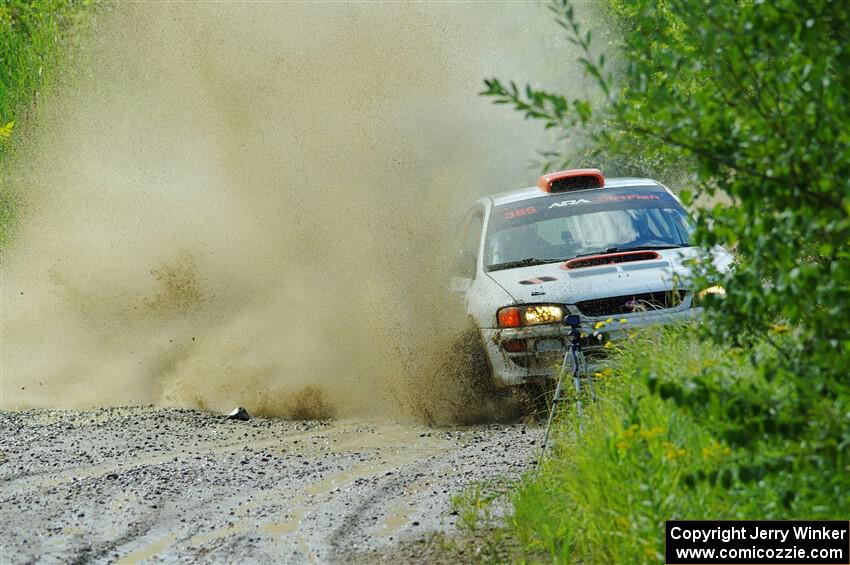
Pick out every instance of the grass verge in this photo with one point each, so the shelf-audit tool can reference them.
(32, 33)
(647, 455)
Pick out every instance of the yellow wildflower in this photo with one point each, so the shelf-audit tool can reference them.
(6, 131)
(674, 452)
(715, 451)
(652, 432)
(780, 328)
(623, 320)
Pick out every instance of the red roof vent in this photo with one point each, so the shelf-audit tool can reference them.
(573, 179)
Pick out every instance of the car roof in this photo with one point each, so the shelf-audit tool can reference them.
(535, 192)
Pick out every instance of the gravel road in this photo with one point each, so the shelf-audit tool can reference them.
(161, 485)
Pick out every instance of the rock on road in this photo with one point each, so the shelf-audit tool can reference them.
(162, 485)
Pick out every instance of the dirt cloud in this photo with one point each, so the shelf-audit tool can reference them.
(250, 203)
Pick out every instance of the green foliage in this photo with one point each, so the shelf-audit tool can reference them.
(30, 33)
(751, 98)
(473, 506)
(604, 495)
(646, 456)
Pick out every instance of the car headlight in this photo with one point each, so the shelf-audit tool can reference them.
(716, 290)
(530, 315)
(699, 297)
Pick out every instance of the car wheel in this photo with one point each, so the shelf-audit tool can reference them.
(470, 364)
(458, 385)
(534, 398)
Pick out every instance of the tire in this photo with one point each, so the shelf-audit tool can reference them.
(458, 385)
(534, 399)
(470, 364)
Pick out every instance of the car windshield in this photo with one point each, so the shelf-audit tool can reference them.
(560, 227)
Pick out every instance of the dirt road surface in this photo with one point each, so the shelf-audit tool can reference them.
(129, 485)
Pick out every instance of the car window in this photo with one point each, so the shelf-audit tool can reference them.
(559, 228)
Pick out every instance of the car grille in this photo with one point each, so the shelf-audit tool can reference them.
(631, 303)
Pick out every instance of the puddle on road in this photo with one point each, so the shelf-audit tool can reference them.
(200, 539)
(388, 436)
(399, 514)
(393, 522)
(290, 516)
(148, 551)
(298, 508)
(388, 446)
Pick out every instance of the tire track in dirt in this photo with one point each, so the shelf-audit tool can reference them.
(142, 484)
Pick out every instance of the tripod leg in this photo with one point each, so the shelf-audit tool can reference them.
(577, 382)
(589, 377)
(554, 406)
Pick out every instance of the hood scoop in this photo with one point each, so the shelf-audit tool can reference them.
(610, 259)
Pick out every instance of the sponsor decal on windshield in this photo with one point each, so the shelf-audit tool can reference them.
(624, 197)
(520, 213)
(568, 203)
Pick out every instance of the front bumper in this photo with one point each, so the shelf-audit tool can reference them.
(546, 344)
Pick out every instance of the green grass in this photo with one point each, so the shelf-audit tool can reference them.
(603, 496)
(31, 42)
(645, 456)
(30, 33)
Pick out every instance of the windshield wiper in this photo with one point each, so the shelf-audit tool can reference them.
(635, 248)
(526, 262)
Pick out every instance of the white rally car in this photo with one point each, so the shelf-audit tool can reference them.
(607, 250)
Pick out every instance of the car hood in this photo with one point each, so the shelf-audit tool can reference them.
(553, 283)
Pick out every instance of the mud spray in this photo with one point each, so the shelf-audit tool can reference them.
(253, 204)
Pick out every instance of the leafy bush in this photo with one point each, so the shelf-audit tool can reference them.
(603, 495)
(645, 457)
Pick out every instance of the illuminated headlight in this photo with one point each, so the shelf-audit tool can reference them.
(716, 290)
(531, 315)
(699, 297)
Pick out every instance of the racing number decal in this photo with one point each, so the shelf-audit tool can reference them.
(511, 214)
